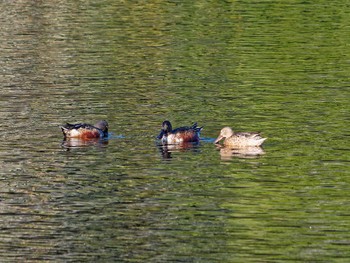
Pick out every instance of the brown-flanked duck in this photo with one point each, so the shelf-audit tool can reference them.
(85, 131)
(179, 135)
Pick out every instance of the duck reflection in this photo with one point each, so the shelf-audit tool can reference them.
(227, 153)
(70, 143)
(166, 150)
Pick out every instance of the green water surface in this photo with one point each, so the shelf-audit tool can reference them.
(279, 67)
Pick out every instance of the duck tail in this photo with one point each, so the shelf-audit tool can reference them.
(261, 141)
(196, 128)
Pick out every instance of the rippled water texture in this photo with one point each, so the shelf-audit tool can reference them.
(279, 67)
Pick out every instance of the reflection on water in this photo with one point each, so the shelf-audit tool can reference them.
(77, 143)
(167, 150)
(279, 67)
(227, 153)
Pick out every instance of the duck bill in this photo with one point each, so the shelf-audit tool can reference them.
(218, 139)
(160, 136)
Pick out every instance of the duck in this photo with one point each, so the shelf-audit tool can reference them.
(85, 131)
(179, 135)
(239, 139)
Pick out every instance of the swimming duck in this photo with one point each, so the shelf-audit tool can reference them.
(239, 139)
(85, 131)
(179, 135)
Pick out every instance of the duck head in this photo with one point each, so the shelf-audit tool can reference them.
(166, 128)
(103, 126)
(224, 133)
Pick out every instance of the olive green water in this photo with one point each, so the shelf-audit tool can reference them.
(280, 67)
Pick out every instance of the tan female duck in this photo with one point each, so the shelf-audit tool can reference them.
(240, 139)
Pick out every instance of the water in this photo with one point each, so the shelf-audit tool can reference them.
(276, 67)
